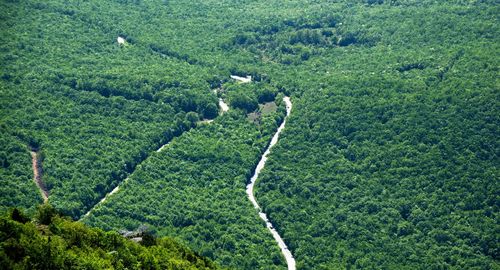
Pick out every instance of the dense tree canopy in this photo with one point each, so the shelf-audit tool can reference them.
(388, 160)
(194, 190)
(54, 242)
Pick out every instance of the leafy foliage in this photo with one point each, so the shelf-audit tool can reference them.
(389, 160)
(64, 244)
(390, 157)
(194, 190)
(92, 124)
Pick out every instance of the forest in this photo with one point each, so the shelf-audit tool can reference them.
(51, 241)
(389, 158)
(207, 167)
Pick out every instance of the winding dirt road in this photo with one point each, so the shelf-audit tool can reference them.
(37, 175)
(284, 249)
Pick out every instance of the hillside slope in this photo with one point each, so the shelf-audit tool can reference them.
(389, 160)
(54, 242)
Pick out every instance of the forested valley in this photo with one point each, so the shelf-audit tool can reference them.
(389, 158)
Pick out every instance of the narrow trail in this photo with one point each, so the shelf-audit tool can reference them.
(162, 147)
(105, 198)
(37, 175)
(284, 249)
(117, 188)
